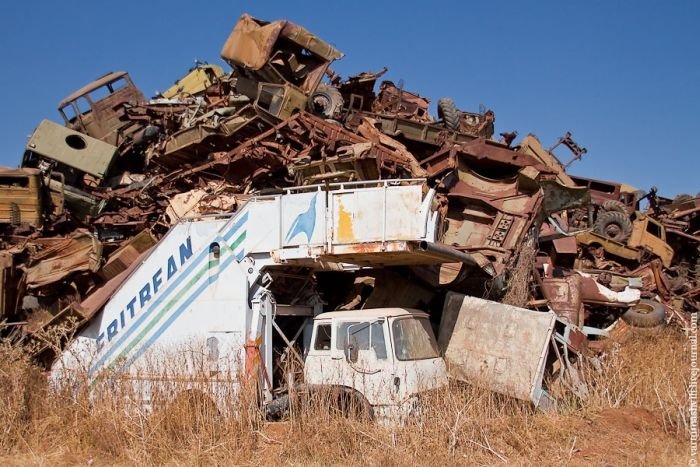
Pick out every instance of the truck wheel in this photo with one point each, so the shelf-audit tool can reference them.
(614, 205)
(277, 409)
(326, 101)
(354, 405)
(447, 111)
(614, 225)
(645, 314)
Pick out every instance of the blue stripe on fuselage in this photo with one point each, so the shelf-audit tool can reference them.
(170, 287)
(177, 313)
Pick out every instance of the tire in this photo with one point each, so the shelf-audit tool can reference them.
(354, 406)
(614, 225)
(326, 102)
(614, 205)
(645, 314)
(278, 409)
(447, 111)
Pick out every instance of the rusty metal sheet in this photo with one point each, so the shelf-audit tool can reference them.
(564, 296)
(251, 42)
(531, 145)
(500, 347)
(8, 285)
(301, 36)
(487, 150)
(558, 197)
(80, 252)
(97, 299)
(127, 254)
(565, 246)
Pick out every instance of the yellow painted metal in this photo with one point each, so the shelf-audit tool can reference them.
(194, 82)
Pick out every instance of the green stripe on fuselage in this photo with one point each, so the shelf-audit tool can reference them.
(186, 289)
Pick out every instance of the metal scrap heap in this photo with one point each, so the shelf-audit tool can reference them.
(95, 193)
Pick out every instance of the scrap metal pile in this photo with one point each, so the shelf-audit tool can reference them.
(95, 193)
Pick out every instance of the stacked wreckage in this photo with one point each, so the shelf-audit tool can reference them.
(498, 229)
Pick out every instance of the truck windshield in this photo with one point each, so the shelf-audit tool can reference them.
(413, 339)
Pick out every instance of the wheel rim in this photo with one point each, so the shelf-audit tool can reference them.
(643, 308)
(613, 231)
(322, 103)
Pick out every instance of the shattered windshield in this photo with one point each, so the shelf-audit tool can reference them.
(414, 339)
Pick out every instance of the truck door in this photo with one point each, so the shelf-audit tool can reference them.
(417, 366)
(367, 365)
(654, 240)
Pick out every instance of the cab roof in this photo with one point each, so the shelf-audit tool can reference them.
(372, 313)
(98, 83)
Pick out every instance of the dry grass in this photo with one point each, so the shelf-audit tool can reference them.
(518, 292)
(637, 413)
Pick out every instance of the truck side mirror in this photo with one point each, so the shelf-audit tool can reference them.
(351, 353)
(350, 350)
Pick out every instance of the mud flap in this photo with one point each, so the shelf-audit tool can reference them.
(499, 347)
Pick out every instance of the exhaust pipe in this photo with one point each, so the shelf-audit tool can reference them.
(448, 252)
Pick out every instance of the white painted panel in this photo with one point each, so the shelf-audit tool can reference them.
(377, 214)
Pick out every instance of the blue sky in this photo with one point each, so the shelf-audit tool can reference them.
(622, 77)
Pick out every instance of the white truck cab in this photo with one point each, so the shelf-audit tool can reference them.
(386, 355)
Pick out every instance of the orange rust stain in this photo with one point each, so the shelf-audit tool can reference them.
(344, 224)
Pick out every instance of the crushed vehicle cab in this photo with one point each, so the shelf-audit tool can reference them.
(278, 65)
(644, 236)
(27, 200)
(21, 198)
(611, 194)
(72, 163)
(98, 108)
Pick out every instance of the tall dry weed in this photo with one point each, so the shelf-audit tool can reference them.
(458, 424)
(650, 370)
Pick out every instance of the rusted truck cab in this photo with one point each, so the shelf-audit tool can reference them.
(278, 65)
(21, 200)
(98, 108)
(648, 237)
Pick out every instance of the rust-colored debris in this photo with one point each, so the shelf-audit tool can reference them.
(93, 195)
